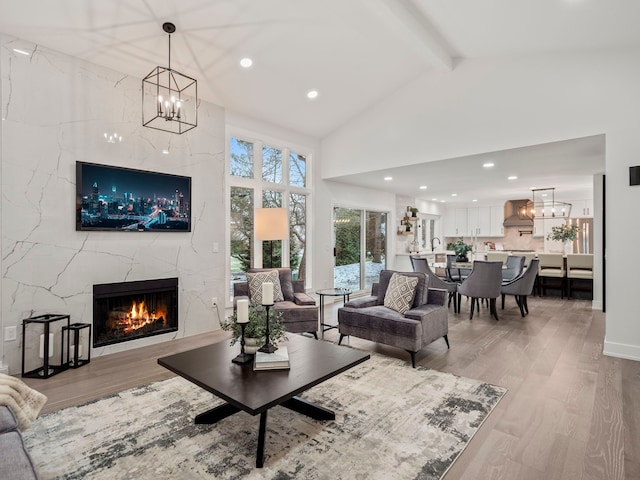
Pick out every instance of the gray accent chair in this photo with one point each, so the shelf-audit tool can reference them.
(484, 281)
(521, 287)
(426, 321)
(514, 268)
(421, 264)
(299, 310)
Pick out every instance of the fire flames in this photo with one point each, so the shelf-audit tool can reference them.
(139, 316)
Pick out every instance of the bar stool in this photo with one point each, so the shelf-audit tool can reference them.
(579, 267)
(551, 265)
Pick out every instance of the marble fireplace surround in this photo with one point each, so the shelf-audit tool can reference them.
(56, 110)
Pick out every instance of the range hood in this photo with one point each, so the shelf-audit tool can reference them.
(517, 213)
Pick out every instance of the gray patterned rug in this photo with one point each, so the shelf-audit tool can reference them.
(392, 422)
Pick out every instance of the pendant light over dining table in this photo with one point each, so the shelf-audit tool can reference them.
(169, 98)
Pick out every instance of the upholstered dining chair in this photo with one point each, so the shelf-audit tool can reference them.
(484, 281)
(421, 264)
(521, 287)
(579, 267)
(514, 268)
(455, 274)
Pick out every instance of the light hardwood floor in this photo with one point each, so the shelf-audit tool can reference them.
(570, 412)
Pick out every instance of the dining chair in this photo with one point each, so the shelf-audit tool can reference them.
(455, 274)
(514, 268)
(579, 267)
(421, 264)
(484, 281)
(551, 265)
(521, 287)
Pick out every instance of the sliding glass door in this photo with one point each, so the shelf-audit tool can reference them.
(359, 247)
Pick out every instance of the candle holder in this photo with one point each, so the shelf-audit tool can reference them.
(267, 347)
(242, 357)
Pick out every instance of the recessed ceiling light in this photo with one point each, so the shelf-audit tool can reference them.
(165, 151)
(246, 62)
(454, 194)
(312, 94)
(488, 165)
(22, 52)
(434, 199)
(474, 200)
(442, 201)
(423, 187)
(512, 177)
(387, 179)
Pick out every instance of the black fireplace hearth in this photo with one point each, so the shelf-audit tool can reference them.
(131, 310)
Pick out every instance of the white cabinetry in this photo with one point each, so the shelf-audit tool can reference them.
(581, 208)
(455, 222)
(497, 220)
(479, 221)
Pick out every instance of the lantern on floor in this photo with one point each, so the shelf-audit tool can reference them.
(42, 352)
(76, 344)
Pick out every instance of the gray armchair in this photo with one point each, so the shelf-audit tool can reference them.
(484, 281)
(522, 287)
(426, 321)
(299, 310)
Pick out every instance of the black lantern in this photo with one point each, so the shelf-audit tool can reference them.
(42, 345)
(76, 344)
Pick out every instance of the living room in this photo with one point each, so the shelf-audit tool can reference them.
(57, 108)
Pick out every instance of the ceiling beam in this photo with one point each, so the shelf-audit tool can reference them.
(410, 23)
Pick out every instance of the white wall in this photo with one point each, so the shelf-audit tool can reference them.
(55, 109)
(494, 104)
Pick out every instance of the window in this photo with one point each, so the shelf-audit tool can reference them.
(277, 184)
(271, 164)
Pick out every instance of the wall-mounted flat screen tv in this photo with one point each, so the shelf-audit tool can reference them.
(123, 199)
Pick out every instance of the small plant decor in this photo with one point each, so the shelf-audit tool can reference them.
(256, 326)
(460, 248)
(564, 232)
(414, 212)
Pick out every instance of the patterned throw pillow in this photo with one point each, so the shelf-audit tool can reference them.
(400, 293)
(255, 281)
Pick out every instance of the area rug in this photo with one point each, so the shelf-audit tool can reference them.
(392, 422)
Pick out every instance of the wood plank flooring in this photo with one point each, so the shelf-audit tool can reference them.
(570, 412)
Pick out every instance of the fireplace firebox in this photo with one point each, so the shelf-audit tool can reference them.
(131, 310)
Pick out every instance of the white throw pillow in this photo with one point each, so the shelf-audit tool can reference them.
(400, 293)
(255, 281)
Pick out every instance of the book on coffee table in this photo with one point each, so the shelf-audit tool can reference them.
(278, 360)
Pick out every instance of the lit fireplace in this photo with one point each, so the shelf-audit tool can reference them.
(131, 310)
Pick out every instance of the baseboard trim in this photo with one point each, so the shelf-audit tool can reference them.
(621, 350)
(596, 305)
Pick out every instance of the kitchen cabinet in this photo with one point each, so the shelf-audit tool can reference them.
(455, 222)
(497, 220)
(479, 221)
(581, 208)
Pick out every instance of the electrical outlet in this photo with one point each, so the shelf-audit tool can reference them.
(214, 301)
(10, 333)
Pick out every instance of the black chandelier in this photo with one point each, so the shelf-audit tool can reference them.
(169, 98)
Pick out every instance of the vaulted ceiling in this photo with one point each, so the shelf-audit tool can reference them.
(353, 52)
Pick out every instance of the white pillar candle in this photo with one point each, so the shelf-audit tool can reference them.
(42, 345)
(243, 311)
(267, 293)
(72, 351)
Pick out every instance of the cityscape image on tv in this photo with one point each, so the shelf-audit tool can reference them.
(113, 198)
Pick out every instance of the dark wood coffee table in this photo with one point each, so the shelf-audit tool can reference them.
(312, 362)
